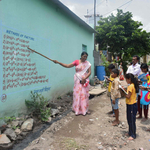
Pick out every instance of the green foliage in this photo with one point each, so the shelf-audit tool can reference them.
(123, 35)
(38, 106)
(105, 84)
(105, 63)
(8, 119)
(148, 63)
(14, 127)
(59, 97)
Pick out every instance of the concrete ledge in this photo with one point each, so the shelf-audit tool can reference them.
(97, 90)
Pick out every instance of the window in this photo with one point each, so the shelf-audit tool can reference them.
(84, 48)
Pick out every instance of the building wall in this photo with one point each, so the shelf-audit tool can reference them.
(45, 28)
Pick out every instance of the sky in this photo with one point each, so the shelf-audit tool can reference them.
(140, 9)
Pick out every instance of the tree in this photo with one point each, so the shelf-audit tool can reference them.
(123, 35)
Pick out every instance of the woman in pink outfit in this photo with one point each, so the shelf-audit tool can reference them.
(81, 84)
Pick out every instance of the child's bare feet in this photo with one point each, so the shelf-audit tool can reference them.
(112, 115)
(144, 119)
(139, 117)
(110, 112)
(148, 129)
(115, 123)
(126, 134)
(130, 138)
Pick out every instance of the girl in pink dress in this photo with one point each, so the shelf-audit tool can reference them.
(81, 84)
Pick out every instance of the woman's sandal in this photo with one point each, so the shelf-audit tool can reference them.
(88, 112)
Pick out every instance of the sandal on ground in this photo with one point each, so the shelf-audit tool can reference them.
(88, 112)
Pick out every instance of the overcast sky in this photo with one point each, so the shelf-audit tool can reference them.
(140, 9)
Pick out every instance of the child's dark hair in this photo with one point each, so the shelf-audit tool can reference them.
(144, 66)
(111, 66)
(133, 80)
(115, 71)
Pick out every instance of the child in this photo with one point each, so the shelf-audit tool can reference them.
(115, 94)
(142, 78)
(132, 89)
(110, 67)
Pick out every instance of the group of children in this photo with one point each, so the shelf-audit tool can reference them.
(132, 106)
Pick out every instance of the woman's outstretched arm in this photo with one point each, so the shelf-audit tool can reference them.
(64, 65)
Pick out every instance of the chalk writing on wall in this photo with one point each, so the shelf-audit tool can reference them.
(21, 68)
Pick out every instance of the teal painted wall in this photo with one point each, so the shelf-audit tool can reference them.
(45, 28)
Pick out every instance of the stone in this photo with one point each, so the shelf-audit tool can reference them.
(120, 126)
(59, 107)
(11, 134)
(6, 146)
(54, 112)
(24, 133)
(91, 119)
(4, 139)
(17, 131)
(3, 128)
(19, 137)
(14, 123)
(52, 105)
(100, 147)
(109, 148)
(120, 146)
(123, 123)
(9, 126)
(20, 123)
(49, 119)
(17, 118)
(27, 125)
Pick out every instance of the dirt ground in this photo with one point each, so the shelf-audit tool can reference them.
(94, 131)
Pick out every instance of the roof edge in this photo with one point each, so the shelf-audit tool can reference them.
(73, 15)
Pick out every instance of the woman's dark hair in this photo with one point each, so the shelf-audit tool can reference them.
(84, 53)
(144, 66)
(133, 80)
(115, 71)
(111, 66)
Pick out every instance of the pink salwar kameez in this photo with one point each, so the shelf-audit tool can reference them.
(80, 92)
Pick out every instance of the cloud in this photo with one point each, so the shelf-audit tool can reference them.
(140, 9)
(72, 8)
(137, 18)
(147, 27)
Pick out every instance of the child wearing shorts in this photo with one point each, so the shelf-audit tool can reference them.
(115, 95)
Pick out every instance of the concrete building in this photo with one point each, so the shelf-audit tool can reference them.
(50, 28)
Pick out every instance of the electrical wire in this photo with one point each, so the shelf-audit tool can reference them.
(114, 9)
(117, 7)
(128, 5)
(97, 5)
